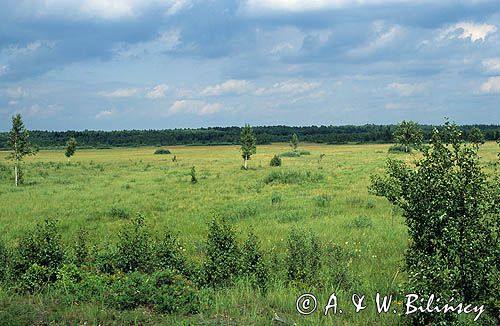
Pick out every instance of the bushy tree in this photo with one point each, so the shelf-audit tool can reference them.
(247, 141)
(408, 134)
(294, 142)
(70, 148)
(192, 173)
(476, 136)
(275, 161)
(452, 213)
(20, 145)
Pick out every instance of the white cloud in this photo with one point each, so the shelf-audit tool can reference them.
(157, 92)
(492, 85)
(177, 6)
(3, 70)
(120, 92)
(467, 30)
(405, 89)
(288, 86)
(14, 92)
(165, 42)
(255, 6)
(105, 114)
(194, 106)
(491, 64)
(229, 86)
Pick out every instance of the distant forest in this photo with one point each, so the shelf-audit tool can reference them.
(229, 135)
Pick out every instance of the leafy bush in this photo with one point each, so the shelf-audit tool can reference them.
(162, 151)
(322, 200)
(361, 221)
(396, 149)
(4, 260)
(303, 258)
(253, 264)
(81, 249)
(40, 251)
(290, 154)
(338, 260)
(276, 199)
(223, 254)
(169, 253)
(303, 152)
(275, 161)
(34, 278)
(131, 290)
(134, 250)
(118, 212)
(192, 173)
(292, 177)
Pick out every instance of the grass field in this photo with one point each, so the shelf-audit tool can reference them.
(133, 180)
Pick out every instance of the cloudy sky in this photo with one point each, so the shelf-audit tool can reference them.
(123, 64)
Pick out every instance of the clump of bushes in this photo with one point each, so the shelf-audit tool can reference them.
(397, 149)
(292, 177)
(162, 151)
(290, 154)
(275, 161)
(303, 152)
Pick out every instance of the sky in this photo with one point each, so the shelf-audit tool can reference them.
(161, 64)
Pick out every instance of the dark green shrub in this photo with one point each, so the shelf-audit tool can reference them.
(132, 290)
(241, 212)
(276, 199)
(41, 249)
(162, 151)
(337, 261)
(222, 253)
(396, 149)
(134, 249)
(275, 161)
(361, 221)
(173, 294)
(253, 264)
(81, 249)
(118, 212)
(35, 278)
(303, 258)
(4, 260)
(303, 152)
(169, 253)
(192, 173)
(292, 177)
(322, 200)
(290, 154)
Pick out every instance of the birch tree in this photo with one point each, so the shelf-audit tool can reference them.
(247, 141)
(20, 145)
(70, 148)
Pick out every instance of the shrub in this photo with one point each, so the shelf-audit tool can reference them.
(40, 250)
(174, 294)
(162, 151)
(303, 152)
(193, 175)
(81, 249)
(222, 253)
(34, 278)
(4, 260)
(118, 212)
(322, 200)
(253, 264)
(275, 199)
(244, 211)
(396, 149)
(131, 290)
(169, 253)
(361, 221)
(292, 177)
(275, 161)
(303, 258)
(290, 154)
(338, 260)
(134, 250)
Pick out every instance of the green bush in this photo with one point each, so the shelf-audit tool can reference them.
(169, 253)
(303, 258)
(361, 221)
(275, 161)
(4, 260)
(222, 253)
(118, 212)
(174, 294)
(132, 290)
(396, 149)
(253, 264)
(292, 177)
(134, 249)
(41, 249)
(276, 199)
(303, 152)
(162, 151)
(290, 154)
(34, 279)
(322, 200)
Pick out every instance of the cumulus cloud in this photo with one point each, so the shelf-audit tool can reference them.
(310, 5)
(120, 92)
(227, 87)
(288, 86)
(467, 30)
(157, 92)
(492, 85)
(195, 106)
(105, 114)
(405, 89)
(491, 64)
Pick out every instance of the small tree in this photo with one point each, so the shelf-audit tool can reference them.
(247, 141)
(408, 134)
(294, 142)
(275, 161)
(452, 212)
(70, 148)
(193, 175)
(476, 136)
(20, 145)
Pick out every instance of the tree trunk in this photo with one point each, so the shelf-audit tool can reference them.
(68, 159)
(16, 174)
(246, 165)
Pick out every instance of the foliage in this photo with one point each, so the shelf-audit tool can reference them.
(476, 136)
(169, 253)
(253, 264)
(276, 199)
(192, 173)
(362, 221)
(81, 248)
(222, 253)
(20, 145)
(35, 278)
(162, 151)
(291, 177)
(134, 249)
(322, 200)
(247, 141)
(303, 258)
(290, 154)
(396, 149)
(408, 134)
(294, 142)
(304, 152)
(275, 161)
(118, 212)
(4, 260)
(452, 215)
(70, 147)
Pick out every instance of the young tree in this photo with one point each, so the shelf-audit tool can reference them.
(452, 210)
(247, 141)
(20, 145)
(70, 148)
(294, 142)
(476, 136)
(408, 134)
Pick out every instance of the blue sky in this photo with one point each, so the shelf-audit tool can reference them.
(150, 64)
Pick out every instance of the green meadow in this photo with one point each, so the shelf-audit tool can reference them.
(101, 190)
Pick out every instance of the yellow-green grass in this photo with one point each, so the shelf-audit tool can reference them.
(83, 193)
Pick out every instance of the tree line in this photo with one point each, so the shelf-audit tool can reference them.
(231, 135)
